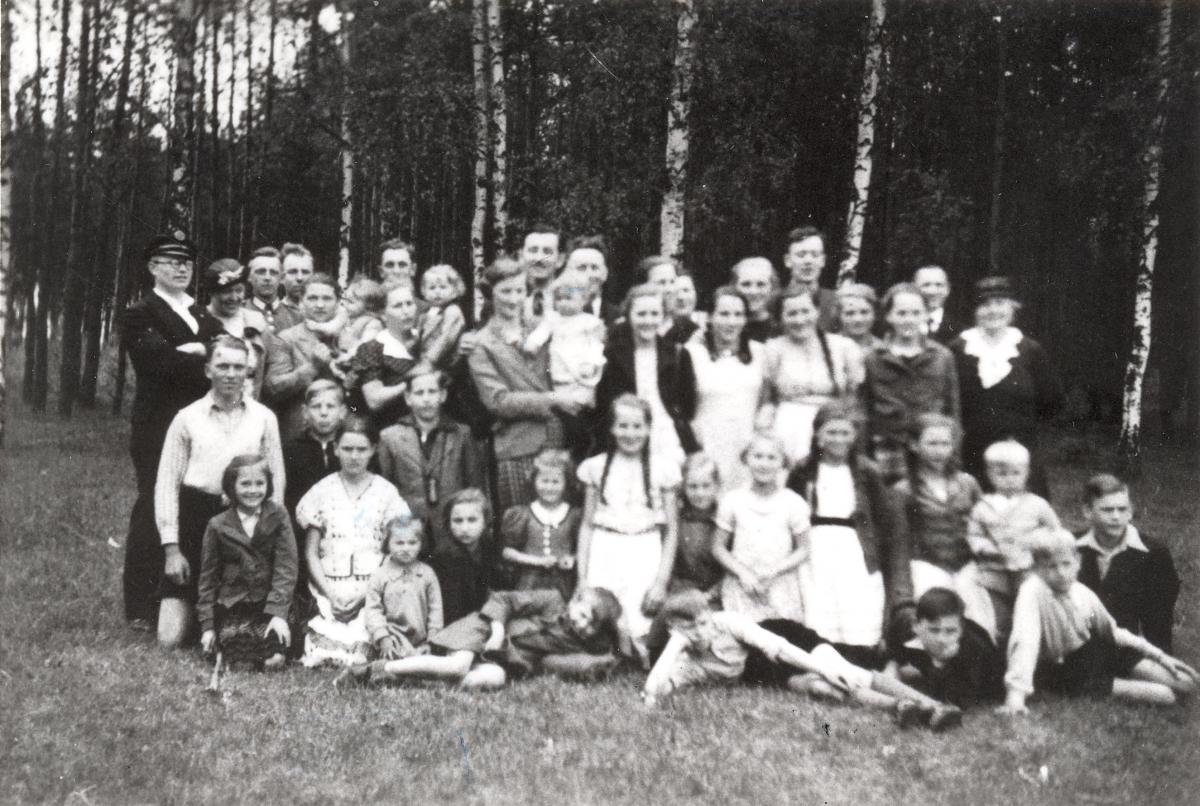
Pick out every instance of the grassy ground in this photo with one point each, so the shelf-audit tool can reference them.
(90, 713)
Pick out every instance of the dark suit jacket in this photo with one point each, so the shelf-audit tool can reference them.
(1139, 589)
(676, 384)
(948, 328)
(167, 380)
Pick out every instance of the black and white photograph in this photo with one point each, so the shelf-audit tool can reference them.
(587, 402)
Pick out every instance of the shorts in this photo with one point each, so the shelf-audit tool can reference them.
(1087, 672)
(763, 671)
(468, 634)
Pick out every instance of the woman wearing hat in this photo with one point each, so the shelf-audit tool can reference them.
(224, 280)
(1007, 384)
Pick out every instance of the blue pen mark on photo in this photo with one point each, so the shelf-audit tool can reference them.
(468, 775)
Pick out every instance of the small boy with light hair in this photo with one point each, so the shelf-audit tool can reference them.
(442, 287)
(1063, 640)
(1000, 526)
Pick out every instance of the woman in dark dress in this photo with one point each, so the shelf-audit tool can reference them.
(1007, 385)
(385, 363)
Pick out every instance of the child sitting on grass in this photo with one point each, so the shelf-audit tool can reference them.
(1063, 640)
(539, 537)
(247, 570)
(1000, 527)
(723, 647)
(516, 634)
(951, 658)
(403, 606)
(1133, 575)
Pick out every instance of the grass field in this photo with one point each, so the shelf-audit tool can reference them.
(92, 714)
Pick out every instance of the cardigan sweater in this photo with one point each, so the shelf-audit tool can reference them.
(1139, 589)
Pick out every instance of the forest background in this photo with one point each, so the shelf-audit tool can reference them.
(1054, 142)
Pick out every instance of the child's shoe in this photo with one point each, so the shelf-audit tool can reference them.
(908, 714)
(945, 717)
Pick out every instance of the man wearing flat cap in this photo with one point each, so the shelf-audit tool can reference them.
(165, 333)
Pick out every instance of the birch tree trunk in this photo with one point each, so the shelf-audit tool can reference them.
(482, 140)
(177, 212)
(6, 127)
(345, 231)
(864, 157)
(671, 218)
(499, 110)
(1139, 350)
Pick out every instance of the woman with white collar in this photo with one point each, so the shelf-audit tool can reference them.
(1007, 385)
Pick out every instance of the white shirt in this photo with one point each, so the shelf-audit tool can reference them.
(934, 321)
(180, 306)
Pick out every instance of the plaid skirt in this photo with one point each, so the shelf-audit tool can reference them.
(513, 487)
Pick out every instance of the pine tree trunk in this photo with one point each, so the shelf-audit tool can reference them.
(37, 188)
(671, 218)
(1139, 350)
(482, 140)
(214, 129)
(998, 143)
(864, 158)
(106, 269)
(76, 279)
(177, 214)
(499, 110)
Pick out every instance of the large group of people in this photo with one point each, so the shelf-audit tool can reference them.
(837, 492)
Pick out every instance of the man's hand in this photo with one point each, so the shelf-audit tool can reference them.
(568, 402)
(175, 565)
(192, 348)
(208, 640)
(388, 648)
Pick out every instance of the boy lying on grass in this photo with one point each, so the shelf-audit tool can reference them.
(723, 647)
(1063, 640)
(516, 634)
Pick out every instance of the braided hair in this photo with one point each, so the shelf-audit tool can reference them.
(629, 401)
(822, 337)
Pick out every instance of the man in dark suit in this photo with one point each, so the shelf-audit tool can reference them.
(804, 259)
(588, 255)
(934, 284)
(165, 333)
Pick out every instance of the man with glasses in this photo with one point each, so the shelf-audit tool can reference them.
(165, 334)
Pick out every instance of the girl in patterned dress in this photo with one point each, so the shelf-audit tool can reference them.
(344, 516)
(539, 538)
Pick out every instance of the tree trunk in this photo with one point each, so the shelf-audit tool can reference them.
(671, 218)
(177, 213)
(346, 228)
(1139, 350)
(75, 283)
(482, 140)
(998, 140)
(32, 301)
(107, 268)
(214, 129)
(6, 38)
(864, 158)
(245, 238)
(499, 127)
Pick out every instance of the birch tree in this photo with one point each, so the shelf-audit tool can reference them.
(346, 157)
(671, 219)
(482, 140)
(6, 39)
(177, 212)
(998, 142)
(864, 157)
(499, 115)
(1139, 350)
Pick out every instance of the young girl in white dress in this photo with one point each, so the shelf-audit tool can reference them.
(628, 536)
(853, 520)
(761, 539)
(729, 385)
(805, 368)
(344, 516)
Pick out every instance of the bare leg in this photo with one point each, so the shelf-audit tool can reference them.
(484, 677)
(1152, 672)
(174, 622)
(1144, 691)
(453, 667)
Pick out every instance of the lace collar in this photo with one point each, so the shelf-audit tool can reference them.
(995, 360)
